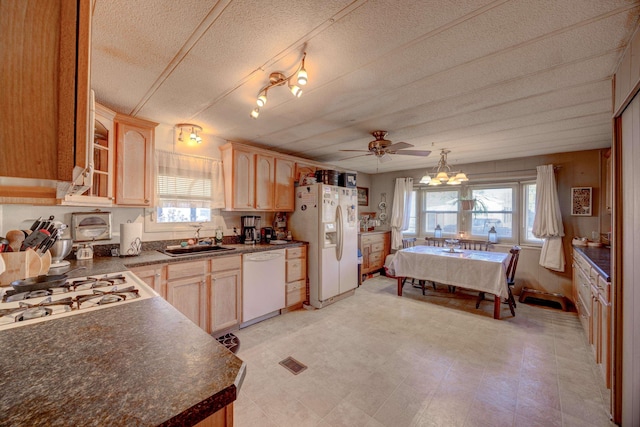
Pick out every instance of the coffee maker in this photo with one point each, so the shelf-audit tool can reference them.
(250, 229)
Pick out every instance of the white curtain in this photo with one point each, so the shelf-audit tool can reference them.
(547, 223)
(399, 213)
(184, 180)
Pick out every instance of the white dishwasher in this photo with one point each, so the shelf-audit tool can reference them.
(263, 285)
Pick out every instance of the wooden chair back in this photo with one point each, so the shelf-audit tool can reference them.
(408, 242)
(435, 241)
(476, 245)
(513, 264)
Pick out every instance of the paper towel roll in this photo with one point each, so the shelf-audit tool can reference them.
(130, 238)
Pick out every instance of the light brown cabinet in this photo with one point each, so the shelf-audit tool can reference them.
(592, 295)
(374, 248)
(187, 290)
(134, 160)
(265, 178)
(41, 40)
(256, 179)
(225, 308)
(296, 276)
(154, 276)
(284, 185)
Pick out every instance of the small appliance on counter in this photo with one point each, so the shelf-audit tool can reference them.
(268, 234)
(250, 233)
(84, 251)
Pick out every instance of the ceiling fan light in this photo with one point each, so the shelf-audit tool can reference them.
(255, 113)
(262, 99)
(461, 177)
(302, 77)
(198, 139)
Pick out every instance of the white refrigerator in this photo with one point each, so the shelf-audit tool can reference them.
(326, 217)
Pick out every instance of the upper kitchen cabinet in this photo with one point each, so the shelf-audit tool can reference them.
(283, 191)
(44, 88)
(256, 179)
(101, 192)
(134, 160)
(239, 177)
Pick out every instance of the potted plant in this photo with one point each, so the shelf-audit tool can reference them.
(472, 205)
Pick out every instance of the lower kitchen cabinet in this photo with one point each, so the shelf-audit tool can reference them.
(154, 276)
(187, 290)
(296, 277)
(225, 308)
(374, 246)
(592, 294)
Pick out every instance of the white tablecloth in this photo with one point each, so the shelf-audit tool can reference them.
(477, 270)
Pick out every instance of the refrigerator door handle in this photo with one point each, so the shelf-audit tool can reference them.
(339, 231)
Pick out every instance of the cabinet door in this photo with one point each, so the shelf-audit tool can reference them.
(152, 276)
(243, 182)
(45, 88)
(189, 297)
(284, 188)
(226, 300)
(265, 177)
(134, 164)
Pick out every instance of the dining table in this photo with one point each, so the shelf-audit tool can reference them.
(481, 271)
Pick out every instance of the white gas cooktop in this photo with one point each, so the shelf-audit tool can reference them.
(76, 295)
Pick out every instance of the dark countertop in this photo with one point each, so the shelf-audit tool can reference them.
(142, 364)
(599, 258)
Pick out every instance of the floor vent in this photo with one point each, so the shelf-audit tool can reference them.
(293, 365)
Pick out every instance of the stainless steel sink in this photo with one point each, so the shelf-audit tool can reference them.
(190, 250)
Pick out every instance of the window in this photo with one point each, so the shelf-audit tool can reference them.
(529, 213)
(188, 188)
(413, 219)
(440, 207)
(494, 208)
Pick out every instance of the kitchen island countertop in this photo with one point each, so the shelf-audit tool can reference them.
(141, 364)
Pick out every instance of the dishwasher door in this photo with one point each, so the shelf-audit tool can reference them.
(263, 285)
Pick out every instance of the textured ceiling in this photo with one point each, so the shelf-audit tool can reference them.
(485, 79)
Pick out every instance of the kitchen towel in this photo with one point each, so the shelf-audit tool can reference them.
(130, 238)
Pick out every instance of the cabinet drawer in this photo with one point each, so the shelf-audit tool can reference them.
(298, 252)
(186, 269)
(226, 263)
(375, 260)
(368, 240)
(296, 269)
(296, 293)
(377, 247)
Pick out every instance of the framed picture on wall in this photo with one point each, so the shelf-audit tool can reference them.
(581, 199)
(363, 196)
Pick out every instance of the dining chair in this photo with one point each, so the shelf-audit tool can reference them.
(409, 242)
(475, 245)
(435, 241)
(511, 273)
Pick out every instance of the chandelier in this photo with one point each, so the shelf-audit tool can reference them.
(279, 79)
(442, 174)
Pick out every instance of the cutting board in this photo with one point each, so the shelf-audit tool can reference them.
(20, 265)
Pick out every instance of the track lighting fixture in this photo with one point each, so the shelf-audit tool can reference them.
(193, 132)
(279, 79)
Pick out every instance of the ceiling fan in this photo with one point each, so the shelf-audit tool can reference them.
(382, 148)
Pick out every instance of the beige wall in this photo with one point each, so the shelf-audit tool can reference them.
(577, 169)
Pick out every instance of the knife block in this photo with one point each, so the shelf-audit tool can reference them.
(20, 265)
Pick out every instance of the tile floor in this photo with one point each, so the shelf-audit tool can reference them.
(376, 359)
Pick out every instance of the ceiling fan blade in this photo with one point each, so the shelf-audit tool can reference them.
(353, 157)
(358, 151)
(398, 146)
(414, 152)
